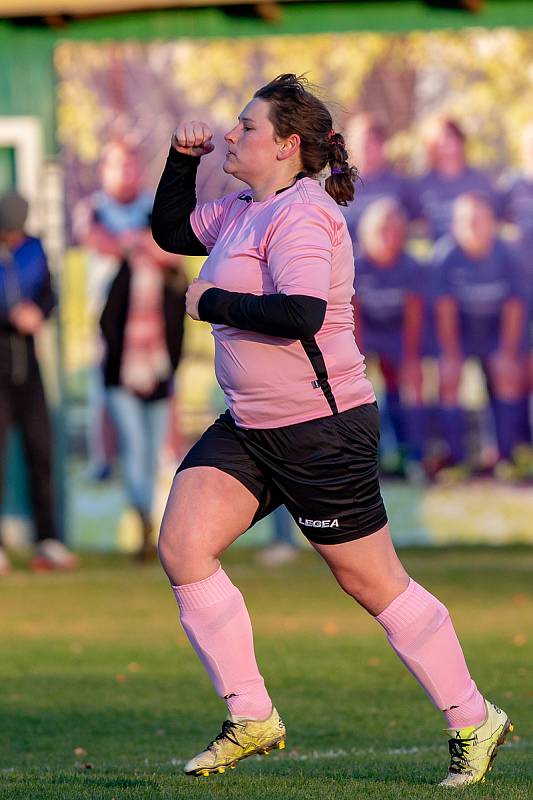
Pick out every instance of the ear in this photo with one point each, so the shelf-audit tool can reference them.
(289, 148)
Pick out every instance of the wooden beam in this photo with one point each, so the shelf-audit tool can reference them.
(65, 8)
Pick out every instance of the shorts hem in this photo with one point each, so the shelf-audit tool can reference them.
(368, 530)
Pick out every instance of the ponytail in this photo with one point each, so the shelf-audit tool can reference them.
(340, 184)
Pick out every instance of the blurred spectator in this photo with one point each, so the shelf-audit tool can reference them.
(108, 223)
(282, 548)
(26, 299)
(366, 139)
(142, 328)
(389, 318)
(481, 313)
(449, 176)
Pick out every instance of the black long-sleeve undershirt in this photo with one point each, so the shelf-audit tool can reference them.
(286, 316)
(292, 316)
(174, 200)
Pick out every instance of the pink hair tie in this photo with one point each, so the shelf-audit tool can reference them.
(331, 134)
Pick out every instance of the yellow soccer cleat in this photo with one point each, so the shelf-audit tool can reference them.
(473, 749)
(238, 739)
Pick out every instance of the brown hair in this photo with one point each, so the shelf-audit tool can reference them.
(432, 129)
(293, 109)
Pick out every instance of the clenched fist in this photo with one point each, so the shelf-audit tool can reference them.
(193, 138)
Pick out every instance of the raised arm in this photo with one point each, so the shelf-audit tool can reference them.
(176, 194)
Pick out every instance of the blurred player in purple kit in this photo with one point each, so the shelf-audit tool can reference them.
(389, 319)
(481, 313)
(449, 175)
(517, 200)
(518, 208)
(366, 139)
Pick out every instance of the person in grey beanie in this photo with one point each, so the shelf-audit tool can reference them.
(26, 300)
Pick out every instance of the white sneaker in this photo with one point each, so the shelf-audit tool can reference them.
(277, 555)
(5, 564)
(51, 554)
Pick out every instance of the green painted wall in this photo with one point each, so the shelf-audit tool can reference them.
(26, 65)
(26, 75)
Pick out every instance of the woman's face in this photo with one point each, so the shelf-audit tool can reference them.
(121, 174)
(367, 149)
(385, 240)
(449, 148)
(474, 225)
(252, 148)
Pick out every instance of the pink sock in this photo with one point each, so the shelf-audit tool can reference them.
(216, 621)
(420, 631)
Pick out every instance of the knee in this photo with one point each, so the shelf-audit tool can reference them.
(374, 593)
(375, 585)
(182, 555)
(172, 547)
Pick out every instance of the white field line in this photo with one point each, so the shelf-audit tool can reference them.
(316, 755)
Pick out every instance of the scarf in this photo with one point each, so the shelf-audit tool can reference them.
(145, 360)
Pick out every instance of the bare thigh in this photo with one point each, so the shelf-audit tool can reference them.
(206, 511)
(368, 569)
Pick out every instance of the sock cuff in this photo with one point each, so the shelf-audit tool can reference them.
(202, 594)
(406, 608)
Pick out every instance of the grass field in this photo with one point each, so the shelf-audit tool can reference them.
(101, 696)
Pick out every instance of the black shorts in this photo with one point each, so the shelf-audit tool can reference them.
(324, 471)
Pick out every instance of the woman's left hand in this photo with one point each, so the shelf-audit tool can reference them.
(194, 293)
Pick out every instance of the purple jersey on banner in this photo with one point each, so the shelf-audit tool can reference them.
(517, 204)
(381, 293)
(385, 184)
(436, 195)
(480, 287)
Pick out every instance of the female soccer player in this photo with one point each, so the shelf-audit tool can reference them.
(481, 313)
(366, 135)
(448, 176)
(389, 309)
(302, 427)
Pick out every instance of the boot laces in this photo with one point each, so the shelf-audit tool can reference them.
(459, 753)
(227, 732)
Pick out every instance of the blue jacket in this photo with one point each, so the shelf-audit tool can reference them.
(24, 275)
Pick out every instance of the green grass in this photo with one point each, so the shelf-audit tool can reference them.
(97, 660)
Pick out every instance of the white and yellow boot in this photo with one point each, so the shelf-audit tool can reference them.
(473, 749)
(238, 739)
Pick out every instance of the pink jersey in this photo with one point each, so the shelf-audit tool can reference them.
(297, 243)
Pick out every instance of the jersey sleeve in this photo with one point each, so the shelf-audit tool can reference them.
(299, 251)
(206, 220)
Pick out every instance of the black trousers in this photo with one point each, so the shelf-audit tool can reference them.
(23, 404)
